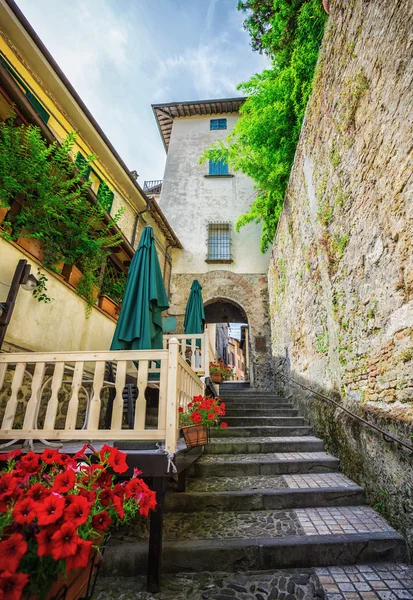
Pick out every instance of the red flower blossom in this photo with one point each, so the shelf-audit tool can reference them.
(78, 510)
(224, 425)
(90, 495)
(64, 541)
(8, 484)
(135, 487)
(117, 503)
(12, 551)
(117, 461)
(119, 491)
(104, 480)
(80, 558)
(38, 492)
(64, 482)
(211, 416)
(24, 511)
(80, 454)
(12, 585)
(50, 456)
(29, 463)
(10, 455)
(106, 497)
(147, 502)
(50, 510)
(44, 540)
(196, 417)
(180, 409)
(101, 521)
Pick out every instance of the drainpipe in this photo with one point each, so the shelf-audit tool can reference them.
(135, 225)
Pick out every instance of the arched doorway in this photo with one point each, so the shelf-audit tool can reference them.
(229, 334)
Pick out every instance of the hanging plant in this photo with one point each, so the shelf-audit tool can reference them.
(54, 204)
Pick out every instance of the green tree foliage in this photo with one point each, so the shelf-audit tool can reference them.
(264, 139)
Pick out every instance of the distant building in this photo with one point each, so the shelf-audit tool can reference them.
(236, 359)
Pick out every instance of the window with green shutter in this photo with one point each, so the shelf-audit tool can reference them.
(38, 107)
(82, 165)
(105, 195)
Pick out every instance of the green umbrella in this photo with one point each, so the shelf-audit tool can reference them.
(140, 321)
(194, 313)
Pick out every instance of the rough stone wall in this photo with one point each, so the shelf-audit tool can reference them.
(251, 293)
(341, 272)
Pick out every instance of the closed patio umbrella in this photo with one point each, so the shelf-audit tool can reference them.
(194, 321)
(139, 325)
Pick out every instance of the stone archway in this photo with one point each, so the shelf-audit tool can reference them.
(249, 291)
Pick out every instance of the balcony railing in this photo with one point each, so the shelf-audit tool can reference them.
(61, 396)
(152, 187)
(194, 349)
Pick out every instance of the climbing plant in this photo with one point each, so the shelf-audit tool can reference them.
(54, 209)
(262, 143)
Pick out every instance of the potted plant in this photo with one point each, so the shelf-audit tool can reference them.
(219, 371)
(112, 291)
(201, 414)
(55, 512)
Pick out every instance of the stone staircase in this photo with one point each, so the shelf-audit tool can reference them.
(265, 495)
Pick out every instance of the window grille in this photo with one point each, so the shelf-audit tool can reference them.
(218, 168)
(217, 124)
(219, 242)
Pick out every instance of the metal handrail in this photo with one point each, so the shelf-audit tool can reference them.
(388, 437)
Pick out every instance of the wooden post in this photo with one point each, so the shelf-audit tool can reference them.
(155, 537)
(172, 424)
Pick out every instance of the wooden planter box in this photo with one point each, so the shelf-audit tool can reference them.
(72, 274)
(3, 214)
(109, 306)
(196, 435)
(216, 377)
(33, 246)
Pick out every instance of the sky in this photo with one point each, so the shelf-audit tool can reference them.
(121, 56)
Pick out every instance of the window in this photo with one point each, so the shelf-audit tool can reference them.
(217, 124)
(105, 195)
(218, 168)
(81, 164)
(219, 242)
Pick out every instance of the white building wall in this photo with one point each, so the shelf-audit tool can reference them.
(190, 200)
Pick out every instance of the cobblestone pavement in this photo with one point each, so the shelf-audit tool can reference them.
(277, 585)
(219, 484)
(368, 582)
(344, 519)
(268, 456)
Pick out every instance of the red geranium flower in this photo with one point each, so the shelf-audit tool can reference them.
(81, 555)
(106, 497)
(24, 511)
(78, 510)
(101, 521)
(64, 541)
(13, 584)
(211, 416)
(44, 540)
(180, 409)
(147, 502)
(12, 551)
(224, 425)
(50, 510)
(196, 417)
(38, 492)
(64, 482)
(8, 484)
(50, 456)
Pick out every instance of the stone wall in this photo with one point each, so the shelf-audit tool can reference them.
(250, 292)
(341, 272)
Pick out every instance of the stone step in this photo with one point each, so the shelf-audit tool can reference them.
(268, 421)
(254, 398)
(258, 407)
(257, 540)
(261, 412)
(260, 444)
(276, 463)
(256, 493)
(279, 431)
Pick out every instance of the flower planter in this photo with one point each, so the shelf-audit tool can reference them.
(33, 246)
(196, 435)
(72, 274)
(3, 214)
(216, 377)
(109, 306)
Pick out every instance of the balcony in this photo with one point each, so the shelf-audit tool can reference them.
(153, 188)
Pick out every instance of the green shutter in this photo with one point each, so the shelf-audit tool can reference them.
(38, 107)
(82, 165)
(105, 195)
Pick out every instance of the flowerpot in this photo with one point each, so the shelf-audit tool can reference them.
(33, 246)
(72, 274)
(109, 306)
(216, 377)
(3, 213)
(195, 435)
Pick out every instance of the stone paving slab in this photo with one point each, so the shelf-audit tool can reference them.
(318, 480)
(368, 582)
(341, 520)
(266, 457)
(227, 484)
(276, 585)
(264, 439)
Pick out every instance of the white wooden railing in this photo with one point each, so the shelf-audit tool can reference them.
(194, 348)
(64, 395)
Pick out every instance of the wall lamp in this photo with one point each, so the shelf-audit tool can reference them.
(22, 277)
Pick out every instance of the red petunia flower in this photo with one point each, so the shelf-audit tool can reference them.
(25, 511)
(117, 461)
(44, 540)
(29, 463)
(13, 584)
(106, 497)
(118, 504)
(147, 502)
(80, 558)
(64, 541)
(211, 416)
(64, 482)
(104, 480)
(12, 551)
(90, 495)
(224, 425)
(51, 457)
(38, 492)
(180, 409)
(135, 487)
(78, 510)
(50, 510)
(10, 455)
(101, 521)
(8, 484)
